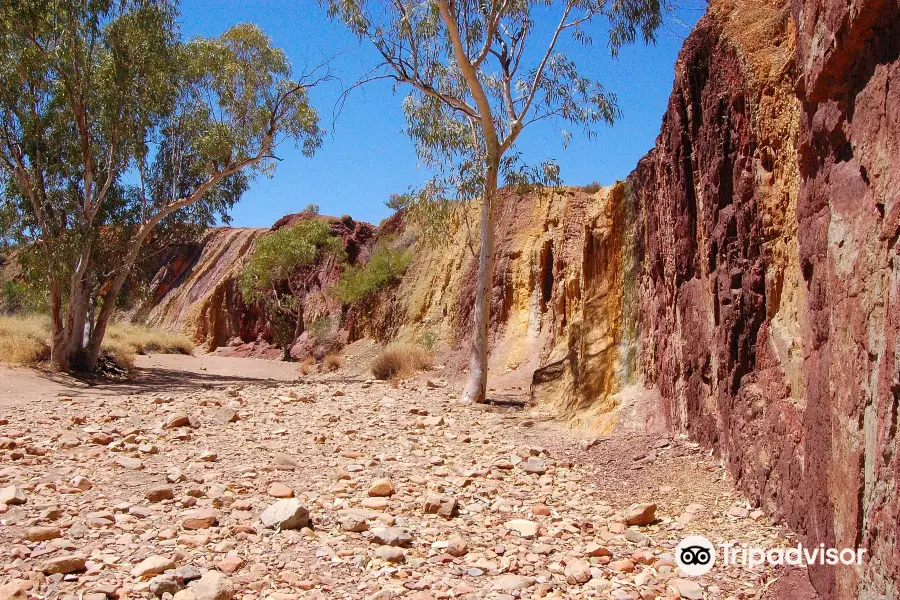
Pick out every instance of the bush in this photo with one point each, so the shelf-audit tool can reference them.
(426, 339)
(331, 363)
(401, 361)
(592, 188)
(384, 267)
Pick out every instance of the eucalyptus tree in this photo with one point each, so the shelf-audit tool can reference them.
(480, 72)
(111, 125)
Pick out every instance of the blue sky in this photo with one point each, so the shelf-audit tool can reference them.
(367, 156)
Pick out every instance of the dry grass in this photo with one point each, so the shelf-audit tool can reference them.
(146, 340)
(307, 365)
(25, 340)
(331, 363)
(401, 361)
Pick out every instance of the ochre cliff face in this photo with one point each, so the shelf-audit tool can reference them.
(196, 292)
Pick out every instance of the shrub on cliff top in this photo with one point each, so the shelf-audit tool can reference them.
(384, 267)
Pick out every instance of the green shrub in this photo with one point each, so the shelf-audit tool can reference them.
(384, 267)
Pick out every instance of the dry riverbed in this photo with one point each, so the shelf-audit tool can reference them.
(356, 489)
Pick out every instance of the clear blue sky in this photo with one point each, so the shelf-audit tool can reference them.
(366, 155)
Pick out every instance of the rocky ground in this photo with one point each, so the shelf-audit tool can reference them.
(350, 489)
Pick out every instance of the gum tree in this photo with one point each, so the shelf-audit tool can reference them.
(480, 72)
(111, 126)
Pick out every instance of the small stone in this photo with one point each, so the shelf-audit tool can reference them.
(165, 584)
(577, 571)
(445, 506)
(640, 514)
(381, 488)
(225, 415)
(213, 586)
(375, 503)
(12, 495)
(160, 493)
(177, 419)
(433, 421)
(285, 514)
(17, 589)
(101, 438)
(527, 529)
(457, 546)
(231, 563)
(391, 554)
(510, 582)
(622, 566)
(391, 536)
(686, 589)
(131, 464)
(42, 534)
(596, 550)
(355, 523)
(63, 564)
(202, 518)
(283, 462)
(279, 490)
(152, 565)
(82, 483)
(534, 465)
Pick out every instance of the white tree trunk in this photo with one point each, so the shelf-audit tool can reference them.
(476, 386)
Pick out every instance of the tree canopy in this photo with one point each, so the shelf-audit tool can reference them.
(114, 130)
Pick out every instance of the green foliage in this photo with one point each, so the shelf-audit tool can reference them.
(276, 255)
(384, 267)
(321, 329)
(274, 258)
(19, 297)
(427, 339)
(92, 91)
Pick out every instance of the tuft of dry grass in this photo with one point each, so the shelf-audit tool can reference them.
(331, 363)
(307, 365)
(24, 340)
(401, 361)
(120, 352)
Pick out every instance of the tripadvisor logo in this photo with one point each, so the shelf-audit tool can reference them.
(695, 555)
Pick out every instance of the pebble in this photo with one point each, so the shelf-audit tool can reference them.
(289, 513)
(152, 565)
(381, 488)
(63, 564)
(12, 495)
(640, 514)
(213, 586)
(201, 518)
